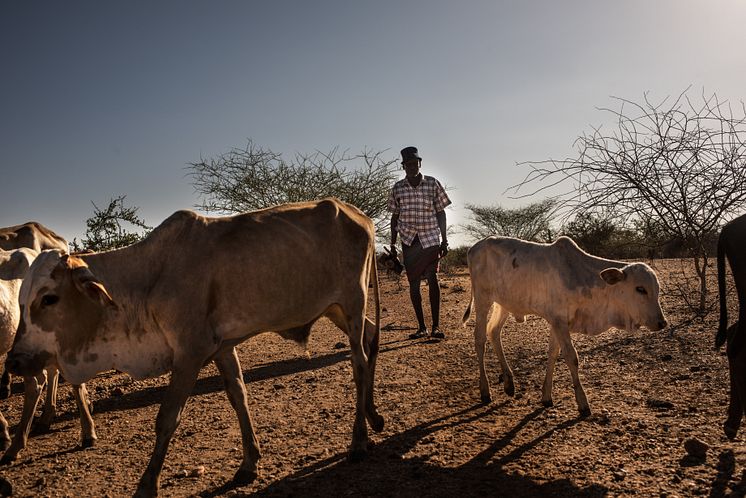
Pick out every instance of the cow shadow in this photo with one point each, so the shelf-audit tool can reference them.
(148, 396)
(388, 472)
(721, 486)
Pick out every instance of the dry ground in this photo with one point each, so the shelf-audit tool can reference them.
(649, 392)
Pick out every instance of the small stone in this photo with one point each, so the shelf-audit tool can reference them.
(619, 475)
(198, 471)
(659, 404)
(278, 386)
(666, 357)
(696, 448)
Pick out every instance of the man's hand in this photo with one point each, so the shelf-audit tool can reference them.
(443, 248)
(393, 250)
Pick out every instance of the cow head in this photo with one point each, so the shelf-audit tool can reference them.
(634, 297)
(62, 305)
(390, 262)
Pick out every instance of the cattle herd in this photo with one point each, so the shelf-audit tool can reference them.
(178, 299)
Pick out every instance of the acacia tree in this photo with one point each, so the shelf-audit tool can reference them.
(531, 222)
(255, 178)
(107, 228)
(677, 165)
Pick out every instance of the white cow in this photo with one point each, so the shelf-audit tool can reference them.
(569, 288)
(191, 291)
(13, 267)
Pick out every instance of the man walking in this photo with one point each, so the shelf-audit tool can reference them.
(417, 204)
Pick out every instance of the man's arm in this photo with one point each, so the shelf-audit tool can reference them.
(394, 231)
(441, 217)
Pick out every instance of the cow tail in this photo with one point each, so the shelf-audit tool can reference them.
(376, 294)
(467, 313)
(723, 326)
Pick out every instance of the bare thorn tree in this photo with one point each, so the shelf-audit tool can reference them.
(531, 222)
(255, 178)
(678, 163)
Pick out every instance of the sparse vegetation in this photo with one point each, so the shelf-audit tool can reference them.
(108, 228)
(254, 178)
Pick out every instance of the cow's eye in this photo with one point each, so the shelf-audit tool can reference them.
(49, 299)
(642, 291)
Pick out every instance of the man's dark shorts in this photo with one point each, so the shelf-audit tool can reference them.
(420, 263)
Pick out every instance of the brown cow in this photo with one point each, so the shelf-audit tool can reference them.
(32, 235)
(191, 291)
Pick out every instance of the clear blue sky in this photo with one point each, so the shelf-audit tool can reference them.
(100, 99)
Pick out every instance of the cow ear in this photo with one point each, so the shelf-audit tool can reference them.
(91, 287)
(613, 275)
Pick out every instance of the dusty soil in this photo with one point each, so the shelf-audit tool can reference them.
(649, 392)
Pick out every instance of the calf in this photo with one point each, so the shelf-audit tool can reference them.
(731, 245)
(572, 290)
(193, 289)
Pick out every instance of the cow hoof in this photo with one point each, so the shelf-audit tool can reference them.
(500, 378)
(4, 392)
(548, 403)
(585, 412)
(357, 455)
(88, 442)
(730, 432)
(509, 389)
(486, 399)
(376, 422)
(6, 488)
(7, 459)
(244, 476)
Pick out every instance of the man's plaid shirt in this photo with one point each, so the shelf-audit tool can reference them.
(416, 207)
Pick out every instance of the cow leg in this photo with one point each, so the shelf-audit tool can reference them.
(4, 434)
(546, 390)
(183, 378)
(32, 388)
(571, 358)
(87, 428)
(494, 331)
(372, 336)
(353, 324)
(230, 369)
(480, 341)
(359, 446)
(5, 384)
(366, 343)
(49, 411)
(736, 351)
(735, 405)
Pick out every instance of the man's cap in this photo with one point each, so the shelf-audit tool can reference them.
(409, 153)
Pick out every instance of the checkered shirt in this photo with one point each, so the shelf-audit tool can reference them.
(416, 207)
